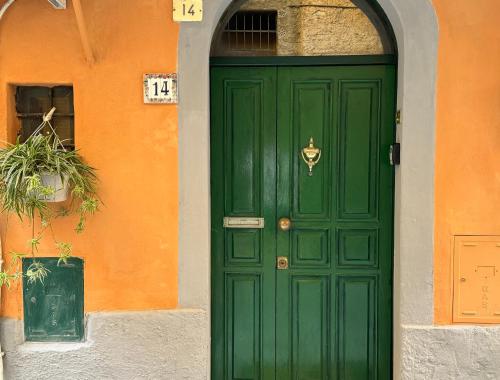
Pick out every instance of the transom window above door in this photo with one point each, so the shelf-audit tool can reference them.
(302, 28)
(251, 32)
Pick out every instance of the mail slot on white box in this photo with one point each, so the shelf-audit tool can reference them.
(476, 285)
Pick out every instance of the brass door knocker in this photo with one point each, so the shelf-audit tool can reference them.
(311, 156)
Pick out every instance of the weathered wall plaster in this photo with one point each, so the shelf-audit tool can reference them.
(160, 345)
(450, 353)
(336, 28)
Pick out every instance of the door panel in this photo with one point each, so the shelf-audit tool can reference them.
(342, 235)
(243, 247)
(243, 315)
(242, 132)
(357, 329)
(310, 315)
(357, 248)
(243, 184)
(310, 248)
(311, 116)
(358, 148)
(329, 314)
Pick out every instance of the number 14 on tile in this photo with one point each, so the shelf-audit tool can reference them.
(188, 10)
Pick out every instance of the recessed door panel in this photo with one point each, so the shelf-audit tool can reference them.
(243, 314)
(357, 247)
(309, 319)
(311, 116)
(310, 248)
(357, 330)
(243, 247)
(358, 148)
(242, 144)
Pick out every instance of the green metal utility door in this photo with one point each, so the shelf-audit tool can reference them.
(302, 225)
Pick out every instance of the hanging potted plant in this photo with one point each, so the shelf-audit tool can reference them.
(34, 175)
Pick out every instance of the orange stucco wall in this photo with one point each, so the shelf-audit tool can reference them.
(468, 133)
(130, 247)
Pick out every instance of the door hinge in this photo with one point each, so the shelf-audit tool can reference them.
(395, 154)
(398, 117)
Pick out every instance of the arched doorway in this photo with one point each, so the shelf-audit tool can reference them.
(302, 192)
(417, 39)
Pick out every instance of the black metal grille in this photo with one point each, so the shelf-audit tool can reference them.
(251, 31)
(33, 101)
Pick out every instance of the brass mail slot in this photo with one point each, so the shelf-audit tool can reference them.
(243, 222)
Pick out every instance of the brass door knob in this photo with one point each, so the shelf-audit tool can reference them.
(285, 224)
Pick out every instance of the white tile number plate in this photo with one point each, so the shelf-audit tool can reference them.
(188, 10)
(160, 88)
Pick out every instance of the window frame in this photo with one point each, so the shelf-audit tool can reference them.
(36, 117)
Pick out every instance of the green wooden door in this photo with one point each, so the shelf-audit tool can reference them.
(329, 314)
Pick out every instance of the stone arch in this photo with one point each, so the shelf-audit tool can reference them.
(305, 28)
(416, 30)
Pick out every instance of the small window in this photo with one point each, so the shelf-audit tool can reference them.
(33, 101)
(250, 31)
(53, 310)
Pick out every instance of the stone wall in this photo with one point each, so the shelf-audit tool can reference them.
(321, 27)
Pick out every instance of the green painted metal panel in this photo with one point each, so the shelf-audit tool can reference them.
(329, 315)
(53, 310)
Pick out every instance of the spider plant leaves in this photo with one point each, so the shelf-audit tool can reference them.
(21, 169)
(6, 278)
(23, 190)
(65, 252)
(36, 272)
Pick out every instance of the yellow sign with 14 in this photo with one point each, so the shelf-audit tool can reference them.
(188, 10)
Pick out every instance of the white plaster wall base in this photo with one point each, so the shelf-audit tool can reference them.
(155, 345)
(172, 345)
(450, 353)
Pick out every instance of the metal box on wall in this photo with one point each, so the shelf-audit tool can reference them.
(476, 279)
(53, 309)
